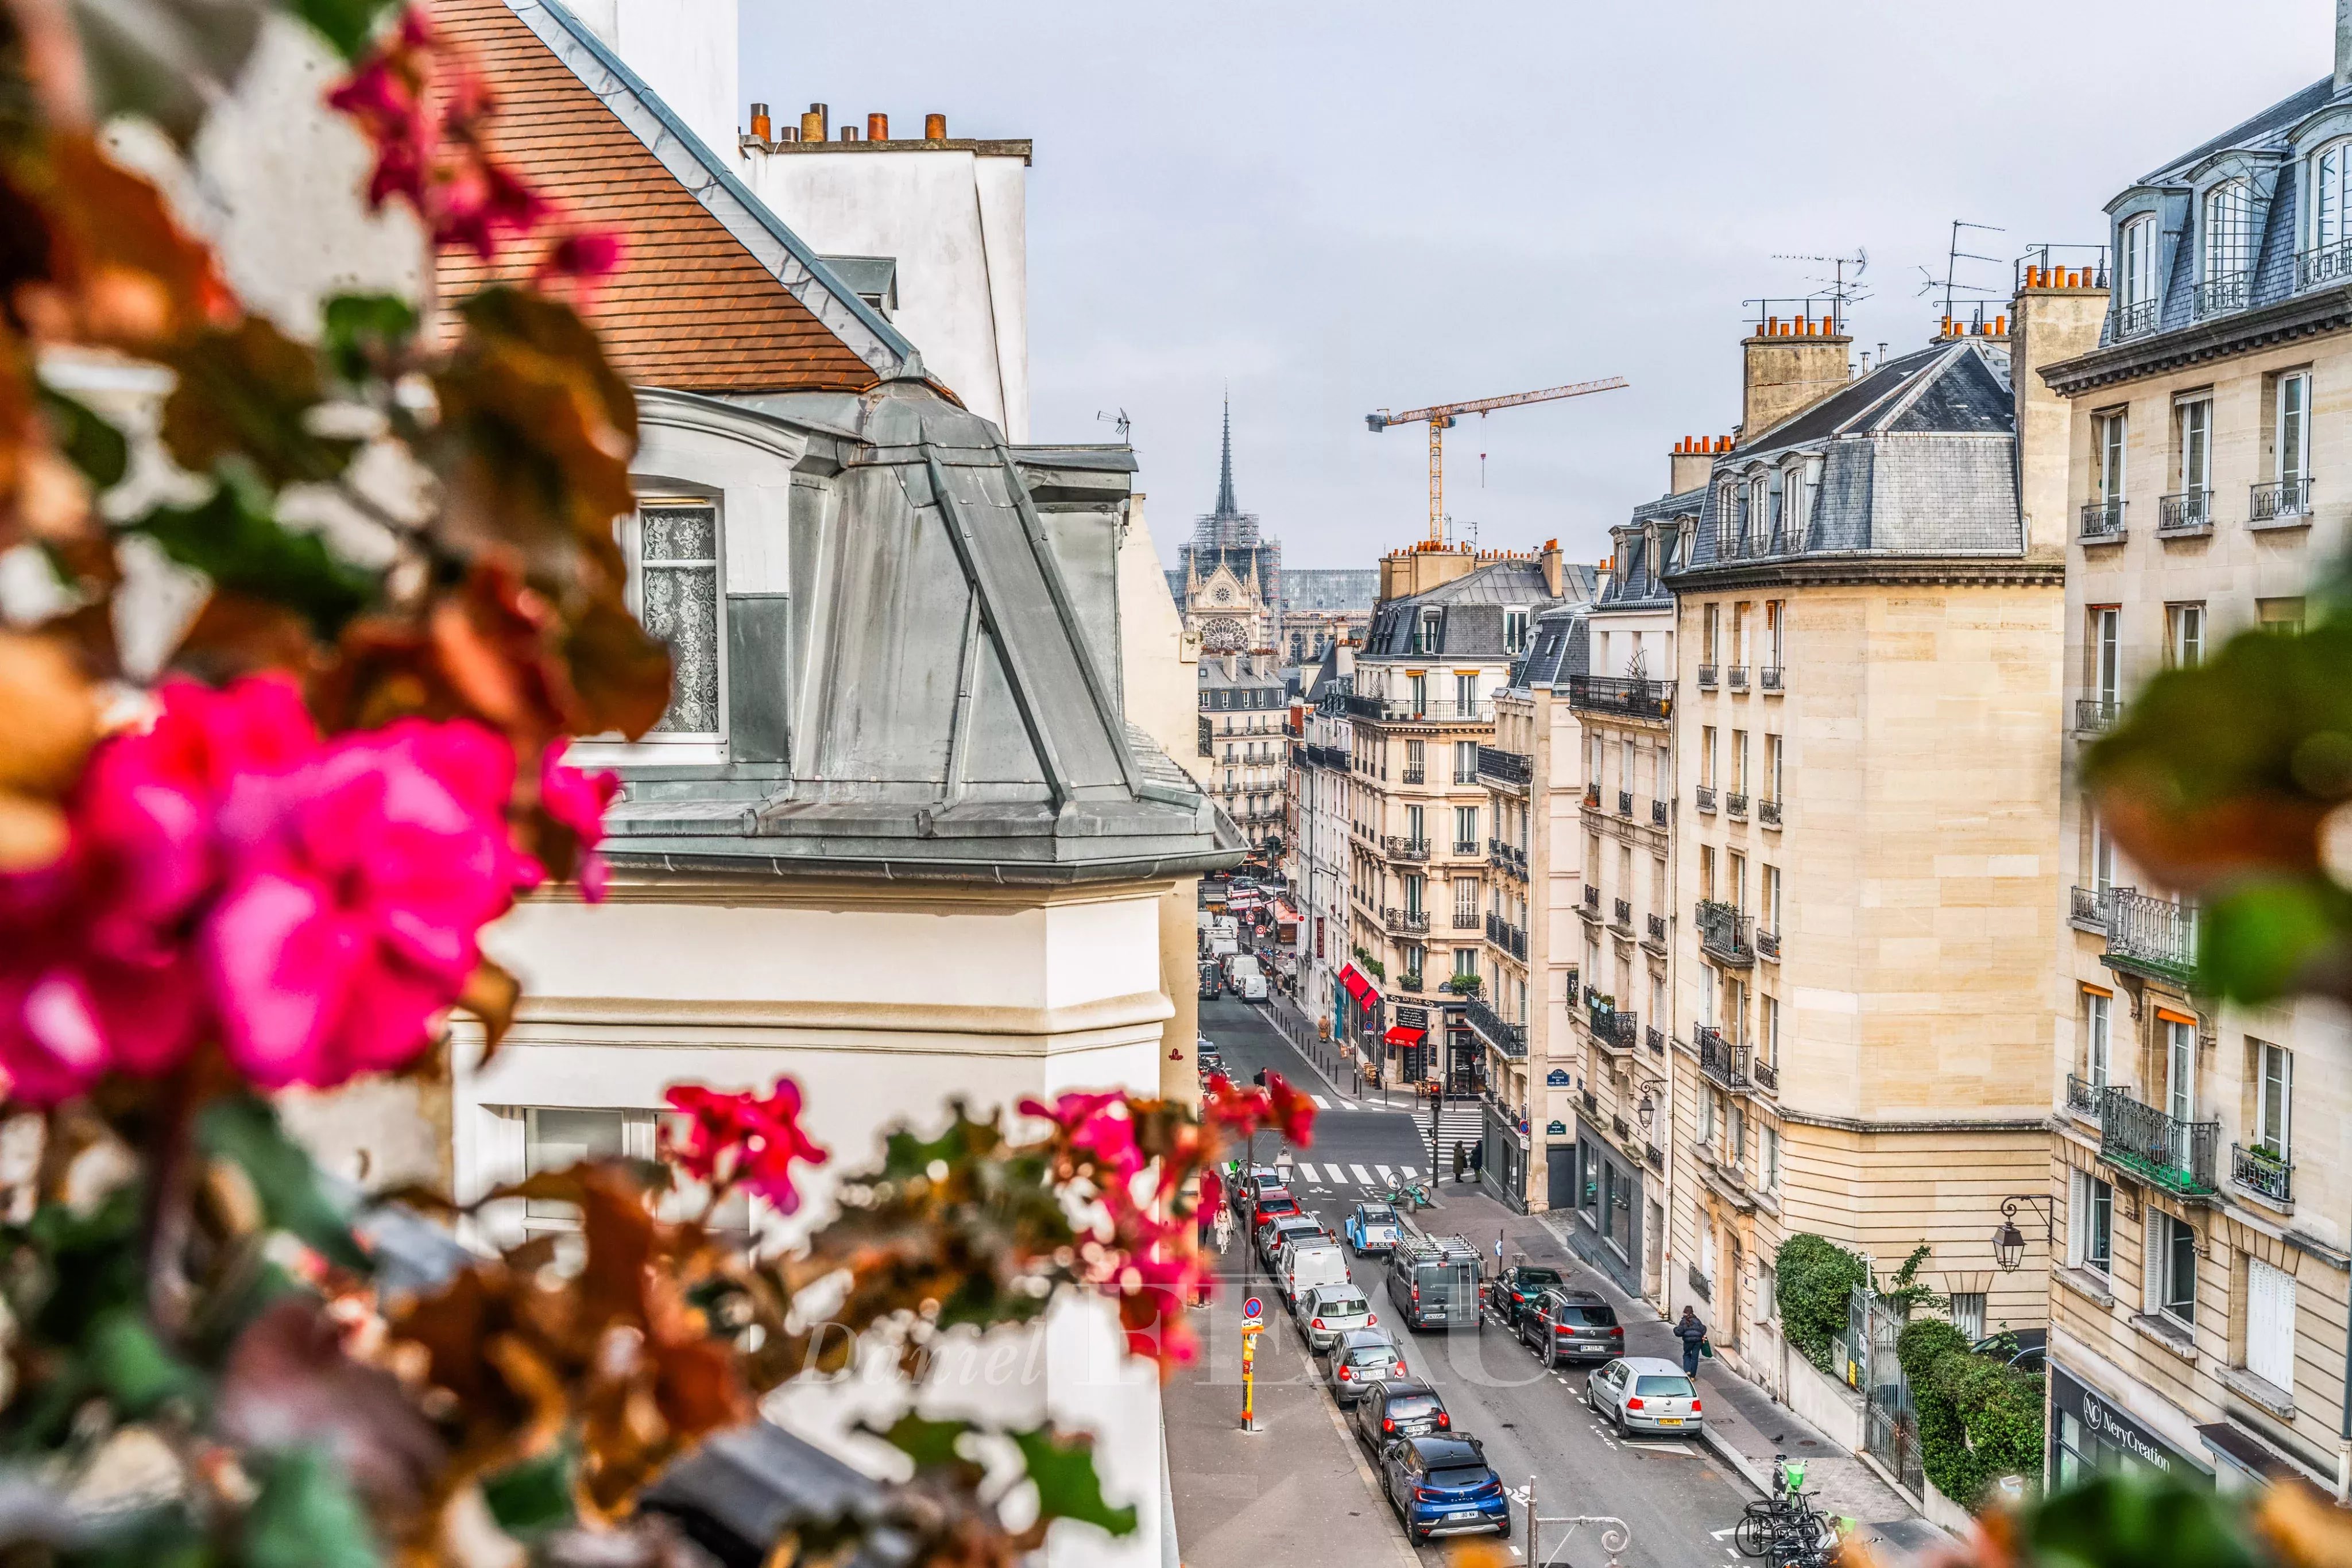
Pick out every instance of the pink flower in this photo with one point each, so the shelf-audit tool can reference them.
(741, 1139)
(576, 801)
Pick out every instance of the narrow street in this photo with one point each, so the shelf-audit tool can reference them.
(1678, 1498)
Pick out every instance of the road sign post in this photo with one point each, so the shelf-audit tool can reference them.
(1252, 1325)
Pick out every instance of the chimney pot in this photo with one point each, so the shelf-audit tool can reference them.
(935, 127)
(877, 128)
(849, 133)
(761, 127)
(816, 125)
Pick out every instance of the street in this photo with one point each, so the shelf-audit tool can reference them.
(1675, 1496)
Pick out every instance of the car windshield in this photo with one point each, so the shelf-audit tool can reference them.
(1379, 1214)
(1343, 1306)
(1665, 1387)
(1367, 1354)
(1414, 1406)
(1539, 1276)
(1579, 1315)
(1459, 1475)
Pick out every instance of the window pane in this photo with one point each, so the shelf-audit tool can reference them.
(677, 547)
(553, 1140)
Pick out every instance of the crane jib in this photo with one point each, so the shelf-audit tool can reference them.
(1440, 416)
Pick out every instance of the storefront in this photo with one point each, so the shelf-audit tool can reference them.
(2088, 1433)
(1560, 1166)
(1356, 1005)
(1466, 1056)
(1408, 1041)
(1608, 1229)
(1505, 1138)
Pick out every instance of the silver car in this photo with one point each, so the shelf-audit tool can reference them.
(1328, 1311)
(1362, 1357)
(1644, 1393)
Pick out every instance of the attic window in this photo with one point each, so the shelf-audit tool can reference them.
(671, 546)
(1515, 631)
(1427, 635)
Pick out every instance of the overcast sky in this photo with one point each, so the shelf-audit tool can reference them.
(1333, 210)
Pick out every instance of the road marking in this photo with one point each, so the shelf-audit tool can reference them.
(1409, 1172)
(1348, 1106)
(1364, 1176)
(1384, 1173)
(1306, 1171)
(1321, 1103)
(1725, 1534)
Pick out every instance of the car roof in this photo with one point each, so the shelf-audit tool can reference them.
(1357, 1339)
(1409, 1388)
(1576, 1295)
(1650, 1366)
(1447, 1451)
(1276, 1190)
(1335, 1288)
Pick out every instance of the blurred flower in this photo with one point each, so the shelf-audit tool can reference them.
(576, 801)
(742, 1139)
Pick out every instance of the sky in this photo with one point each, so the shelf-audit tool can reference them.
(1327, 210)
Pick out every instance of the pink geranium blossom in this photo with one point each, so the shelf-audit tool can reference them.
(743, 1139)
(575, 801)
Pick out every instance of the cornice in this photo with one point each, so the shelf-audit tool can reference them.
(1798, 571)
(2241, 333)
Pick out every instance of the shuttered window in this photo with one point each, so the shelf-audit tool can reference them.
(2270, 1324)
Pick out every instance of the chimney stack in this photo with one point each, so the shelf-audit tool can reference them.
(935, 127)
(1554, 578)
(1689, 463)
(2343, 44)
(1789, 366)
(2056, 320)
(877, 128)
(816, 125)
(762, 126)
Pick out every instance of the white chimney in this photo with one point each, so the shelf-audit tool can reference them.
(686, 51)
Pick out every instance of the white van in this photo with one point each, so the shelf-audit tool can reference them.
(1307, 1265)
(1248, 980)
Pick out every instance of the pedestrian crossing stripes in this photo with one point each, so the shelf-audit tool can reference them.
(1333, 1173)
(1323, 1104)
(1458, 1121)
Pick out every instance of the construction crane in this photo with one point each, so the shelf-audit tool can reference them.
(1442, 416)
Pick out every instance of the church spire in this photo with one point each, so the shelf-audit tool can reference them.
(1227, 506)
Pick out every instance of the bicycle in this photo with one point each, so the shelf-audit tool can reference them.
(1785, 1529)
(1399, 1195)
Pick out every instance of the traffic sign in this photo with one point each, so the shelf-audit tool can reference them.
(1253, 1308)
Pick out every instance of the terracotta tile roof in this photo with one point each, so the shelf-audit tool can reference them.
(691, 308)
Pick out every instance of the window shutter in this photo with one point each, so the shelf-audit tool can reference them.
(2270, 1324)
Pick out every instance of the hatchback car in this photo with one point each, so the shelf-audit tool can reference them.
(1644, 1393)
(1270, 1233)
(1270, 1202)
(1443, 1486)
(1572, 1326)
(1509, 1291)
(1328, 1311)
(1371, 1228)
(1400, 1407)
(1362, 1359)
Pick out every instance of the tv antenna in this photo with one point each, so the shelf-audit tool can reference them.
(1121, 421)
(1949, 283)
(1844, 291)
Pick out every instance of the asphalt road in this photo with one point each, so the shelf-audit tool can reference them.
(1675, 1495)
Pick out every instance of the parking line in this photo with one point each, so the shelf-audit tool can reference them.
(1364, 1176)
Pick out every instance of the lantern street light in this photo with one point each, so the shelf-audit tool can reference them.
(2009, 1241)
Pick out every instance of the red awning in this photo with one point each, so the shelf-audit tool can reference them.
(1358, 987)
(1403, 1034)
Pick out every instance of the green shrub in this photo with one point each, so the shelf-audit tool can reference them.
(1816, 1277)
(1979, 1419)
(1922, 1343)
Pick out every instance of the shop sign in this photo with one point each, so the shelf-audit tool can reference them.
(2112, 1428)
(1414, 1018)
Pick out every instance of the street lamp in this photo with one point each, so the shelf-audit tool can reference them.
(2009, 1241)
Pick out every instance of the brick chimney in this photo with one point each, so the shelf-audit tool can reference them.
(1790, 364)
(1689, 463)
(1554, 577)
(2055, 316)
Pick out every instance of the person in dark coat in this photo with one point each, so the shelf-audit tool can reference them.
(1477, 1159)
(1692, 1332)
(1461, 1159)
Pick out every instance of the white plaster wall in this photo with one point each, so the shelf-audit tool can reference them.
(686, 52)
(955, 221)
(1160, 670)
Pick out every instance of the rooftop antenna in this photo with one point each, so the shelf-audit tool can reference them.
(1121, 421)
(1844, 291)
(1949, 283)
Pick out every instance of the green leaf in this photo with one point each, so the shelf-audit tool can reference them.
(349, 25)
(2257, 940)
(234, 538)
(1068, 1488)
(360, 330)
(89, 441)
(531, 1499)
(930, 1444)
(246, 1130)
(2122, 1521)
(123, 1356)
(307, 1516)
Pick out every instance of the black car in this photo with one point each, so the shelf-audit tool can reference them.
(2028, 1350)
(1562, 1325)
(1405, 1408)
(1510, 1292)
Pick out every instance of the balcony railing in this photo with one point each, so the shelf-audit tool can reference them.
(1768, 945)
(2189, 512)
(2216, 296)
(2093, 715)
(1699, 1285)
(1507, 766)
(1519, 943)
(1769, 812)
(1510, 1039)
(1464, 919)
(2085, 1097)
(1657, 813)
(2263, 1173)
(2089, 906)
(1616, 1031)
(1623, 911)
(1465, 846)
(1400, 849)
(1414, 775)
(1735, 677)
(1767, 1076)
(1720, 1060)
(2151, 934)
(1768, 677)
(1705, 794)
(1629, 697)
(2161, 1150)
(1404, 710)
(1655, 1039)
(1736, 805)
(1406, 919)
(1706, 677)
(2136, 319)
(1657, 929)
(1592, 898)
(2324, 264)
(1592, 797)
(1624, 802)
(1724, 933)
(2103, 521)
(2280, 501)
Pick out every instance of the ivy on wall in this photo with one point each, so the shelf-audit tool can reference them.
(1979, 1418)
(1816, 1280)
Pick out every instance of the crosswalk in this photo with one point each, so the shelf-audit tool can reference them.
(1323, 1104)
(1371, 1177)
(1458, 1121)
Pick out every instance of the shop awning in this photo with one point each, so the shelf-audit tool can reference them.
(1358, 987)
(1285, 913)
(1405, 1034)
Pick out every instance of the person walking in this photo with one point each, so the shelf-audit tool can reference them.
(1461, 1159)
(1225, 1230)
(1477, 1160)
(1693, 1334)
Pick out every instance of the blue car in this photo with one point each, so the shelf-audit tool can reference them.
(1443, 1486)
(1371, 1228)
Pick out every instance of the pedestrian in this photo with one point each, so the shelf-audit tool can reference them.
(1477, 1160)
(1693, 1334)
(1225, 1230)
(1461, 1159)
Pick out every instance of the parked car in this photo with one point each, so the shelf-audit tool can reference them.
(1400, 1407)
(1271, 1231)
(1244, 1189)
(1562, 1325)
(1211, 1058)
(1644, 1393)
(1433, 1281)
(1443, 1486)
(2028, 1350)
(1371, 1228)
(1280, 1244)
(1302, 1264)
(1509, 1291)
(1362, 1358)
(1324, 1312)
(1212, 982)
(1269, 1202)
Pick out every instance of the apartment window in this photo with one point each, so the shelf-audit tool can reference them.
(1413, 821)
(1735, 1130)
(1772, 1138)
(2107, 433)
(1466, 693)
(2184, 635)
(555, 1138)
(2105, 646)
(2135, 273)
(1626, 754)
(2091, 1223)
(2274, 1097)
(1414, 757)
(2291, 443)
(1515, 631)
(2284, 615)
(2179, 1070)
(1739, 762)
(1465, 826)
(1739, 889)
(1416, 958)
(1658, 1003)
(1771, 911)
(1416, 690)
(2331, 182)
(1768, 1027)
(1425, 636)
(2270, 1324)
(672, 550)
(1413, 886)
(1465, 963)
(1776, 624)
(2192, 442)
(1465, 762)
(1795, 524)
(1706, 1116)
(2098, 1039)
(1711, 618)
(1772, 749)
(1707, 756)
(1706, 871)
(1775, 493)
(2173, 1267)
(1466, 901)
(2228, 230)
(1969, 1313)
(1592, 760)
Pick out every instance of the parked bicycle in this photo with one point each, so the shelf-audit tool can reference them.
(1402, 1194)
(1785, 1529)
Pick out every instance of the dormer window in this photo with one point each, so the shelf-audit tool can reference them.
(2328, 258)
(1515, 631)
(1425, 635)
(2135, 284)
(2229, 248)
(1798, 503)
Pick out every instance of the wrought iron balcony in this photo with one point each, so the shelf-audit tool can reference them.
(1705, 794)
(1404, 710)
(1657, 933)
(1402, 849)
(2085, 1097)
(2089, 906)
(1736, 805)
(2137, 319)
(1465, 847)
(1655, 1039)
(1769, 812)
(1519, 943)
(1593, 796)
(1505, 767)
(1622, 910)
(2218, 296)
(1624, 802)
(2151, 936)
(2279, 502)
(1591, 899)
(1615, 1030)
(1725, 934)
(1657, 813)
(2189, 512)
(2161, 1150)
(2103, 522)
(1618, 1125)
(1768, 945)
(2263, 1173)
(1656, 1157)
(1406, 919)
(1767, 1076)
(2324, 264)
(1627, 698)
(1768, 677)
(1706, 677)
(1720, 1060)
(1464, 919)
(1414, 775)
(1591, 1102)
(1735, 677)
(2093, 715)
(1510, 1039)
